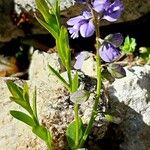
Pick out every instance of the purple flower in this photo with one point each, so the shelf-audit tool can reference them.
(100, 5)
(108, 51)
(80, 59)
(110, 11)
(116, 39)
(113, 12)
(82, 24)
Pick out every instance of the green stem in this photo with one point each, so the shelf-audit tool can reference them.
(76, 107)
(69, 77)
(98, 88)
(49, 147)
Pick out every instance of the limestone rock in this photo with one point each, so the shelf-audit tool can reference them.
(55, 110)
(39, 69)
(14, 134)
(130, 99)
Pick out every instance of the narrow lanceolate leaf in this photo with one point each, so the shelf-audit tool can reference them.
(71, 133)
(44, 9)
(58, 44)
(57, 9)
(26, 92)
(75, 82)
(52, 29)
(21, 103)
(15, 90)
(34, 104)
(79, 96)
(59, 77)
(23, 117)
(64, 43)
(41, 132)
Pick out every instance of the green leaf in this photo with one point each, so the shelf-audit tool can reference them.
(116, 70)
(113, 119)
(22, 103)
(71, 133)
(59, 77)
(22, 117)
(129, 45)
(79, 96)
(52, 29)
(107, 75)
(58, 45)
(46, 12)
(34, 104)
(75, 82)
(26, 92)
(41, 132)
(57, 9)
(63, 47)
(15, 90)
(145, 53)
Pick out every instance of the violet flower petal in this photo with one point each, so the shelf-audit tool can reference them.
(100, 5)
(82, 23)
(116, 39)
(108, 52)
(74, 20)
(80, 59)
(87, 15)
(113, 12)
(87, 29)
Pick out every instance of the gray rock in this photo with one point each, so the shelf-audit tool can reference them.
(14, 134)
(41, 60)
(55, 110)
(130, 100)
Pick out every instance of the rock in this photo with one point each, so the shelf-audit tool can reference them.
(8, 30)
(134, 9)
(55, 110)
(41, 60)
(130, 100)
(14, 134)
(30, 4)
(89, 65)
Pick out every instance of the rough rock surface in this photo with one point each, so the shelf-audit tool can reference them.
(14, 135)
(130, 99)
(54, 109)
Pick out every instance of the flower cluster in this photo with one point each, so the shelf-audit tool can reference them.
(84, 25)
